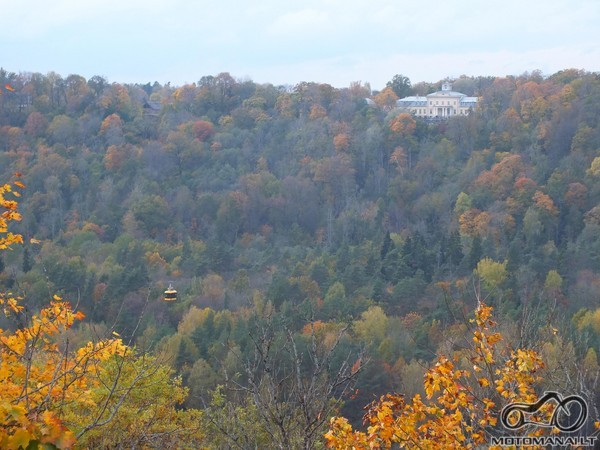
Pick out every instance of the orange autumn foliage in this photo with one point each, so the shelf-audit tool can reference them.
(9, 213)
(463, 397)
(403, 124)
(341, 142)
(545, 203)
(36, 375)
(386, 99)
(474, 222)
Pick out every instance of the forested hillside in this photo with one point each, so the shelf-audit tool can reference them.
(325, 245)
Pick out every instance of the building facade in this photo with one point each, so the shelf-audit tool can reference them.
(441, 104)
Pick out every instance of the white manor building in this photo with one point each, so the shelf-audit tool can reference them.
(441, 104)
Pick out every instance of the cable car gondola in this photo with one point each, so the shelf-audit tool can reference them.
(170, 294)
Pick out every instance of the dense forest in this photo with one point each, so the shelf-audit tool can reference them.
(326, 246)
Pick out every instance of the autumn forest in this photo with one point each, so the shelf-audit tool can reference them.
(348, 275)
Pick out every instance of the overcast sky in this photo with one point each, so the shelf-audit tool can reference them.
(288, 41)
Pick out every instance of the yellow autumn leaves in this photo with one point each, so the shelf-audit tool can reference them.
(100, 395)
(9, 213)
(457, 413)
(40, 380)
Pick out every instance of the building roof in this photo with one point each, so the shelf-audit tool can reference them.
(444, 93)
(415, 100)
(472, 100)
(155, 106)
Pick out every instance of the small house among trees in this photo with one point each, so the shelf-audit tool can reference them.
(151, 108)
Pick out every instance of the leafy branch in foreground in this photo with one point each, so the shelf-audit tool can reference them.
(101, 394)
(464, 396)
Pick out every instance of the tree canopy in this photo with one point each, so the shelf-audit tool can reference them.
(325, 245)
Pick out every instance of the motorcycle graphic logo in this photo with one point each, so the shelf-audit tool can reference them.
(569, 414)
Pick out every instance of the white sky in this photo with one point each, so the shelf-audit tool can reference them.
(288, 41)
